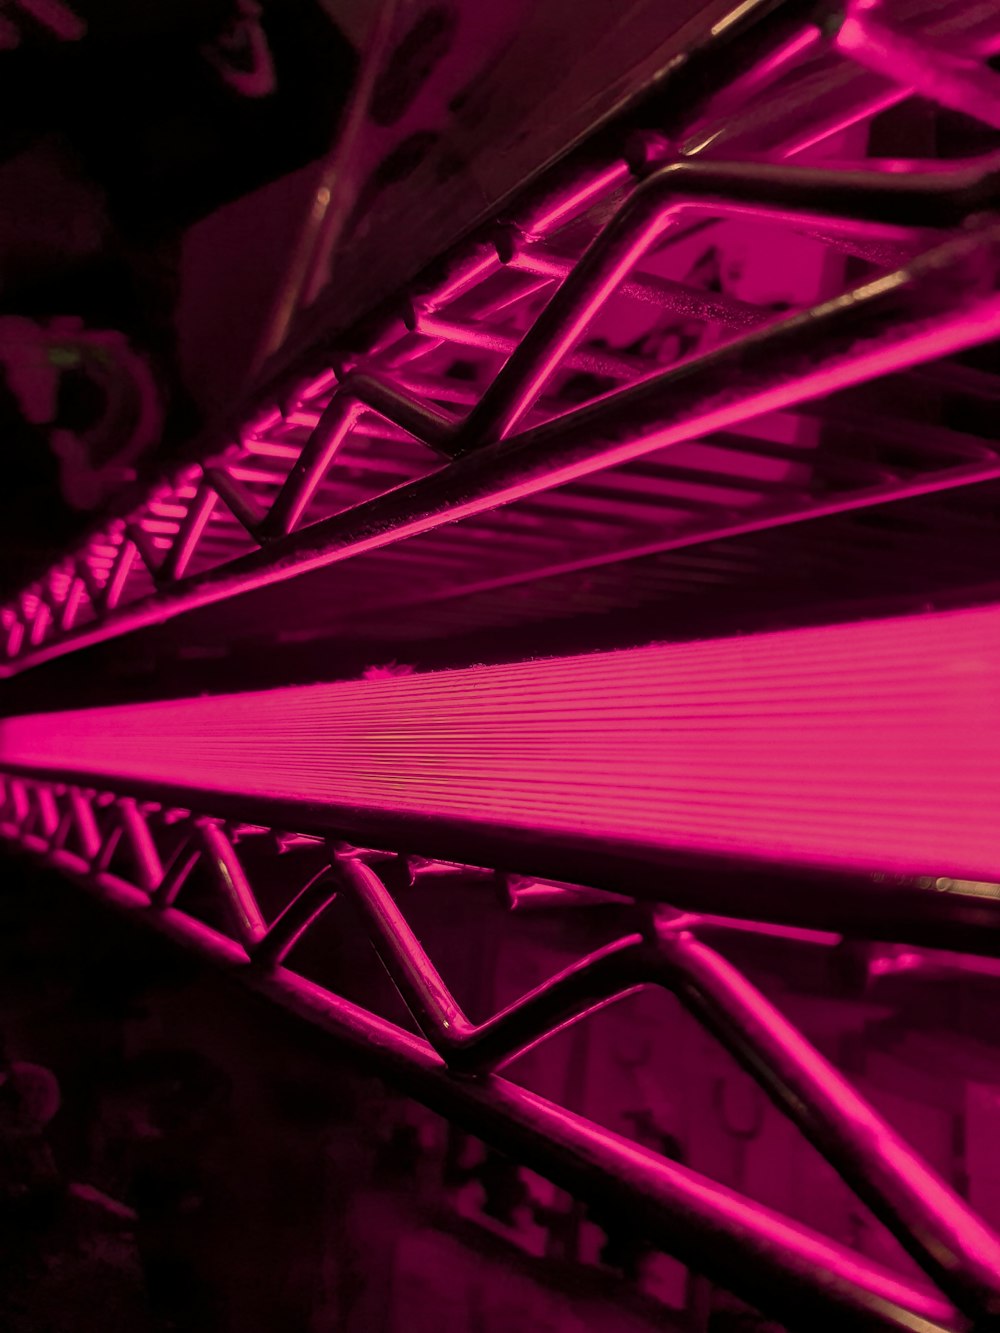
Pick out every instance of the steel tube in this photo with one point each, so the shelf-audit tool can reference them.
(807, 1281)
(892, 323)
(928, 1217)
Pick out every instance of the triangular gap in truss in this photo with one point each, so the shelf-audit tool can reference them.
(151, 546)
(195, 887)
(80, 609)
(222, 533)
(240, 493)
(279, 868)
(250, 486)
(655, 1075)
(138, 581)
(294, 888)
(172, 831)
(58, 590)
(58, 583)
(337, 952)
(130, 850)
(93, 569)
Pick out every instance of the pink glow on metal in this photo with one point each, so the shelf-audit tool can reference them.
(273, 449)
(39, 623)
(824, 939)
(926, 1314)
(978, 324)
(949, 80)
(579, 197)
(71, 606)
(320, 384)
(838, 1102)
(974, 326)
(864, 746)
(162, 510)
(941, 75)
(15, 638)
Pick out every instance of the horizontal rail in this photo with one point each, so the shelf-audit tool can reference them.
(868, 209)
(944, 302)
(780, 1266)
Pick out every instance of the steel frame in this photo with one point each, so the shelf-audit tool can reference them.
(269, 502)
(275, 504)
(137, 855)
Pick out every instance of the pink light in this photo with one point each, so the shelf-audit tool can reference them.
(302, 418)
(949, 80)
(40, 623)
(15, 638)
(162, 510)
(253, 474)
(71, 606)
(273, 449)
(577, 199)
(871, 745)
(321, 384)
(268, 421)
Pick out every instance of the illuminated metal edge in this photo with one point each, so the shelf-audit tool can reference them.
(926, 911)
(44, 623)
(781, 1267)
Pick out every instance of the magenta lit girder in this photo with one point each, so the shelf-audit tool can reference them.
(383, 444)
(511, 421)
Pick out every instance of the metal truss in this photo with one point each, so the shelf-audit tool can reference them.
(374, 441)
(371, 442)
(139, 855)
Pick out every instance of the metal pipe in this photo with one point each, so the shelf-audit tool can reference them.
(234, 886)
(950, 80)
(809, 1282)
(932, 199)
(935, 1224)
(945, 301)
(938, 1227)
(664, 293)
(943, 198)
